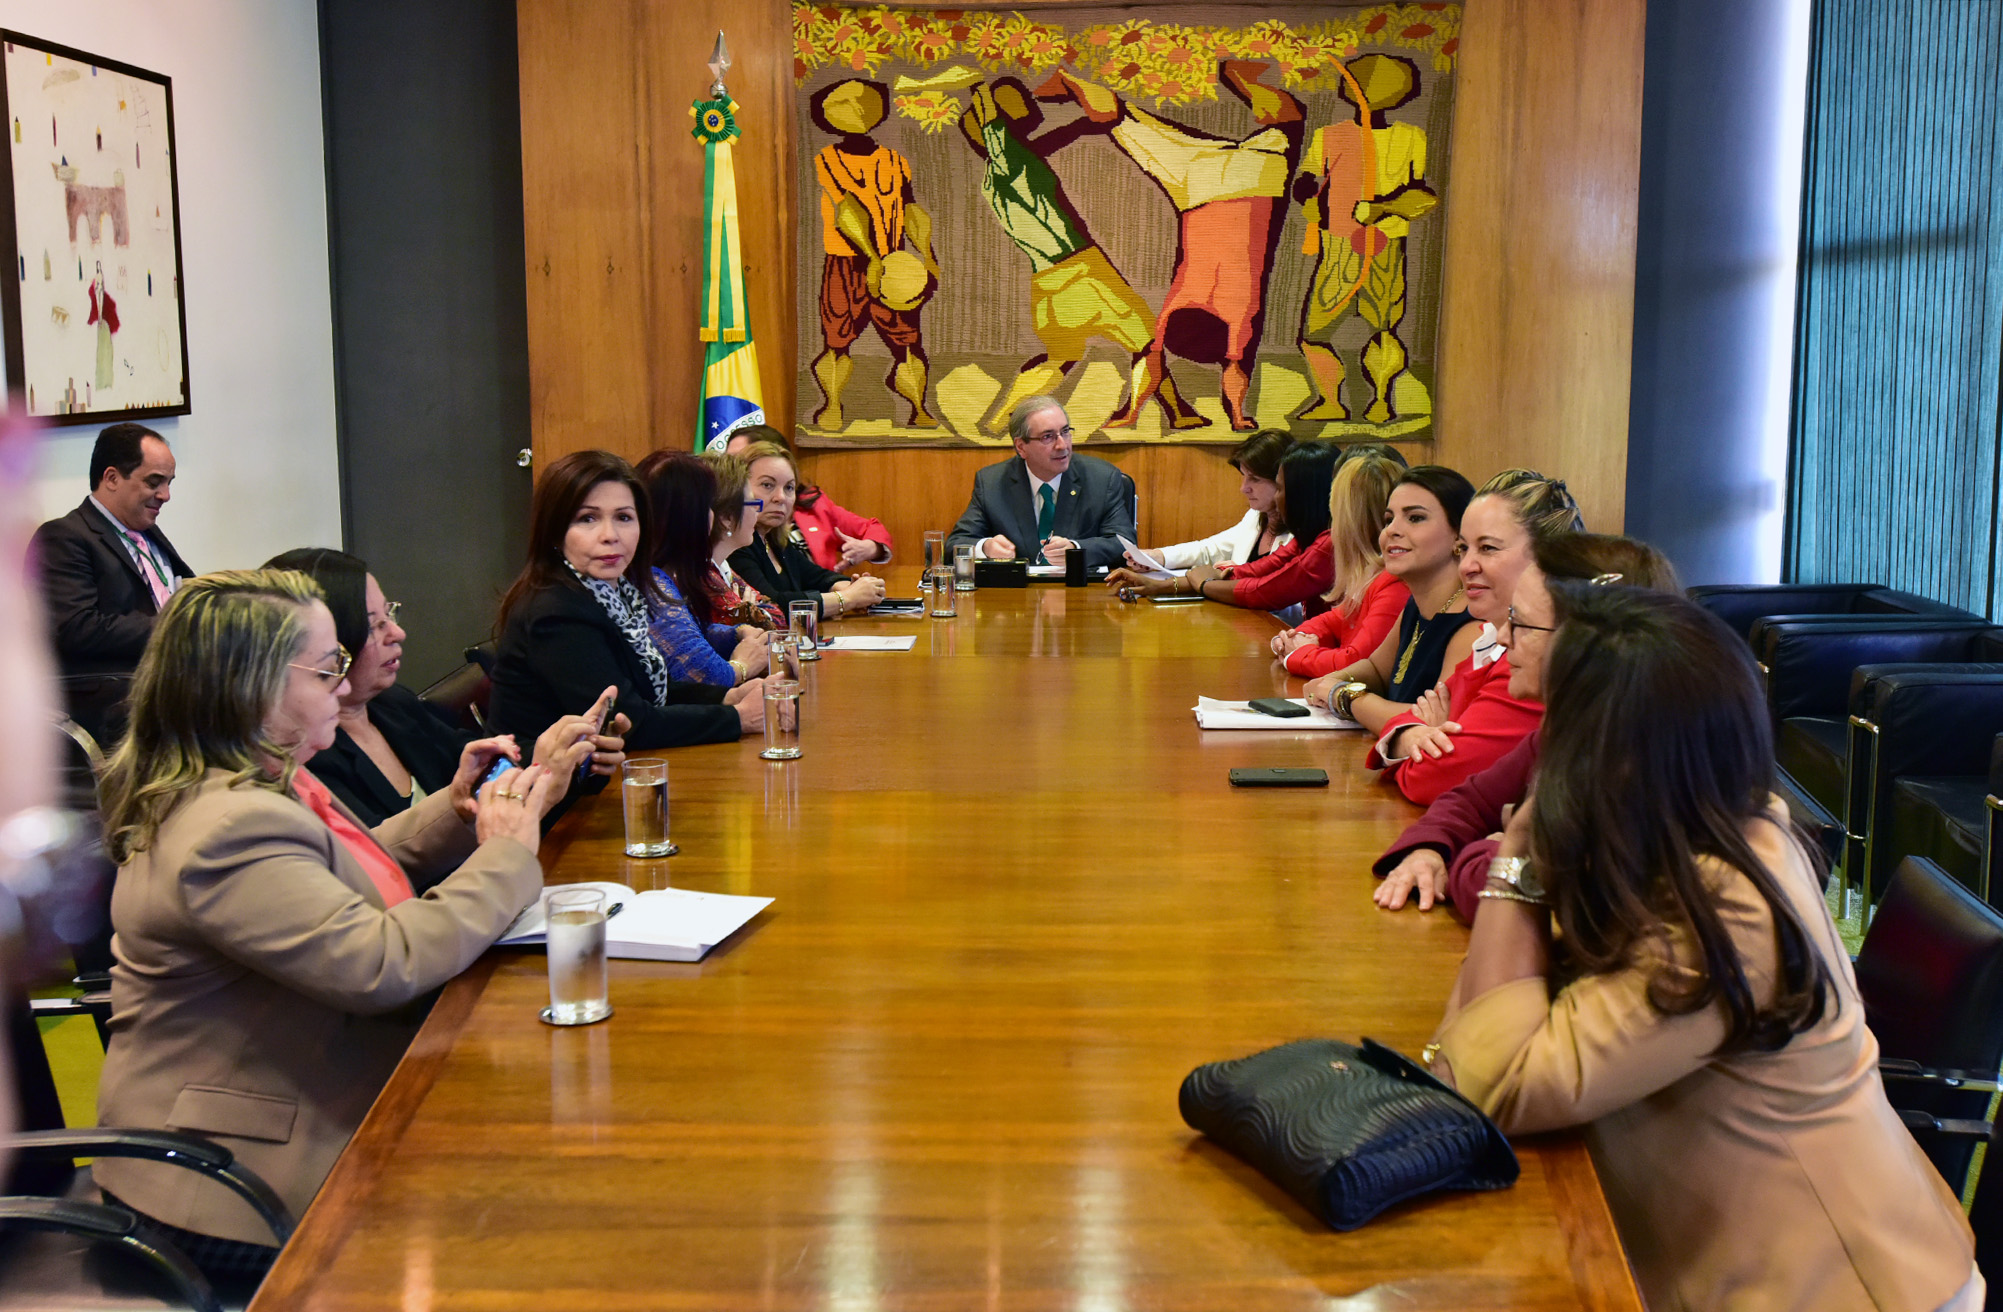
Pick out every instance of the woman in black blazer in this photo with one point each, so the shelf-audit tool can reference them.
(575, 620)
(393, 747)
(777, 563)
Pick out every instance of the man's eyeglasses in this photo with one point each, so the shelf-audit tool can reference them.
(1515, 623)
(1063, 434)
(391, 609)
(342, 660)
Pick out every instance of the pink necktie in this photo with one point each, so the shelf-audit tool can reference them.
(149, 569)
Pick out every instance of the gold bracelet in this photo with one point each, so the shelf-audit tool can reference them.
(739, 669)
(1511, 895)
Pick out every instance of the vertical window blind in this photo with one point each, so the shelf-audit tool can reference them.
(1899, 329)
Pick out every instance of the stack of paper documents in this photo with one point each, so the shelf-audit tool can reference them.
(1214, 714)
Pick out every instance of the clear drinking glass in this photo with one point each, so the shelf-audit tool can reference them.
(963, 568)
(782, 655)
(804, 619)
(646, 793)
(935, 555)
(575, 940)
(945, 602)
(782, 719)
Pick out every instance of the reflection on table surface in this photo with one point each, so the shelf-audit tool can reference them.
(1016, 902)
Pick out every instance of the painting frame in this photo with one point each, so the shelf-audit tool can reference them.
(29, 360)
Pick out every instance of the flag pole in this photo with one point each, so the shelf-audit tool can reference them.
(732, 396)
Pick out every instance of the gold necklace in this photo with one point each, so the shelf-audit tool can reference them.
(1419, 632)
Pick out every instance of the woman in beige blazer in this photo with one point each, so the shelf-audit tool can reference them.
(271, 961)
(1699, 1017)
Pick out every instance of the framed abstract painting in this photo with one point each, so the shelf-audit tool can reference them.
(92, 310)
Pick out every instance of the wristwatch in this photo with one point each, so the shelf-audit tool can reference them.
(1519, 874)
(1345, 696)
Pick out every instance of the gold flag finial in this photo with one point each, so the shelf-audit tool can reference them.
(719, 64)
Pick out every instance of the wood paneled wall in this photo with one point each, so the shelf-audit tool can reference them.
(1537, 318)
(1538, 298)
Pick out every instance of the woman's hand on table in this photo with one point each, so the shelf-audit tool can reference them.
(748, 700)
(1316, 692)
(513, 807)
(1423, 871)
(1131, 585)
(751, 653)
(1287, 641)
(862, 592)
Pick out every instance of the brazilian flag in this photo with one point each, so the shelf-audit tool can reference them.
(731, 395)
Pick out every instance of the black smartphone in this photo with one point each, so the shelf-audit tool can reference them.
(1279, 706)
(1278, 776)
(584, 766)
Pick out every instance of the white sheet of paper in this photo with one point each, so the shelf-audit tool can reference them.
(1214, 714)
(1155, 569)
(861, 642)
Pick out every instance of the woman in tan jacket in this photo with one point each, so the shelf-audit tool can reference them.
(1698, 1016)
(271, 960)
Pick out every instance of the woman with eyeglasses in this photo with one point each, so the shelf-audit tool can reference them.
(575, 621)
(272, 960)
(392, 747)
(1442, 857)
(776, 562)
(1468, 720)
(1654, 964)
(836, 538)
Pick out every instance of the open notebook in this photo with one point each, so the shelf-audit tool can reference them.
(662, 924)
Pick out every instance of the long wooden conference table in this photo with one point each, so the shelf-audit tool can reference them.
(1017, 901)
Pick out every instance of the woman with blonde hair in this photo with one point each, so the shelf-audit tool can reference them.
(1470, 720)
(774, 562)
(271, 960)
(1365, 600)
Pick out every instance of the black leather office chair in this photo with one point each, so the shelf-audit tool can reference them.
(1931, 973)
(483, 654)
(1928, 759)
(1740, 604)
(61, 1246)
(1810, 665)
(463, 694)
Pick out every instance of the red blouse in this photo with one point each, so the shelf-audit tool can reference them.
(1491, 723)
(1348, 636)
(1288, 576)
(818, 521)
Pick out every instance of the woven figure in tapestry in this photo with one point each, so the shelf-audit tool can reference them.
(1230, 196)
(1363, 184)
(868, 278)
(1075, 292)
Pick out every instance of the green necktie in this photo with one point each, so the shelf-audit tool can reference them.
(1046, 519)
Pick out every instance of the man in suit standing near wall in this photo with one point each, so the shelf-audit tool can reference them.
(1048, 500)
(106, 570)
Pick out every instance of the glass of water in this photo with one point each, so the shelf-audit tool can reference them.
(945, 602)
(782, 655)
(804, 620)
(575, 939)
(646, 793)
(935, 555)
(963, 568)
(782, 719)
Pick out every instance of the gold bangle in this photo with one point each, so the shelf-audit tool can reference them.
(739, 669)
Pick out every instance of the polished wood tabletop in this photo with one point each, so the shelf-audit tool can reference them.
(1016, 902)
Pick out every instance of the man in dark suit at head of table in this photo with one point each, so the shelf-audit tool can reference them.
(1049, 500)
(106, 571)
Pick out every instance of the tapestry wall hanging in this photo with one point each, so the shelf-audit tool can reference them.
(1183, 230)
(92, 312)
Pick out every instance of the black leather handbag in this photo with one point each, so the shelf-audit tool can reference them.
(1348, 1131)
